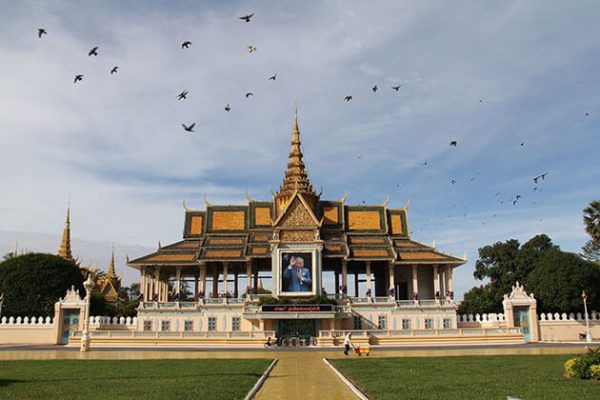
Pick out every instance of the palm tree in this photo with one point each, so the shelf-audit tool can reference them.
(591, 219)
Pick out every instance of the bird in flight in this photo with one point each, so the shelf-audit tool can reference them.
(186, 44)
(227, 107)
(249, 94)
(251, 49)
(481, 100)
(517, 197)
(424, 163)
(453, 143)
(93, 52)
(182, 95)
(114, 70)
(247, 17)
(189, 128)
(453, 181)
(348, 98)
(542, 177)
(78, 77)
(522, 144)
(360, 156)
(374, 88)
(396, 88)
(272, 78)
(41, 32)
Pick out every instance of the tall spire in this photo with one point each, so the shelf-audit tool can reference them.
(111, 266)
(296, 176)
(64, 250)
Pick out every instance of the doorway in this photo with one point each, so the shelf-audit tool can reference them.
(70, 324)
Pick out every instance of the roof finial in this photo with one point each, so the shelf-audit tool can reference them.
(111, 266)
(64, 250)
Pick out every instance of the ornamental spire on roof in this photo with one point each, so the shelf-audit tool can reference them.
(111, 266)
(64, 250)
(296, 176)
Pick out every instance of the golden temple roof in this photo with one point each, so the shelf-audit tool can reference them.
(296, 176)
(64, 250)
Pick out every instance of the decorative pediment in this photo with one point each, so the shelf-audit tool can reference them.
(297, 214)
(518, 293)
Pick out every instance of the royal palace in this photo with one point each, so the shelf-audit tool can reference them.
(378, 277)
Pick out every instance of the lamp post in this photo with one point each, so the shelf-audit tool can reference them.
(85, 337)
(588, 334)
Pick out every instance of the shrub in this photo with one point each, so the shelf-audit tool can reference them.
(595, 372)
(569, 367)
(581, 367)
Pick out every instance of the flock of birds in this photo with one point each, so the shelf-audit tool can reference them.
(514, 199)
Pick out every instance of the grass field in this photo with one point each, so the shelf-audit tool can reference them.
(129, 379)
(475, 377)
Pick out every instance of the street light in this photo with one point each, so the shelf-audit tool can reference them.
(85, 337)
(588, 333)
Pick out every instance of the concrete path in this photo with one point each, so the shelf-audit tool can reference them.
(303, 376)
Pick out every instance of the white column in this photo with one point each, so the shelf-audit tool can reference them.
(392, 283)
(157, 283)
(203, 278)
(143, 283)
(196, 275)
(216, 282)
(368, 273)
(225, 270)
(450, 285)
(345, 275)
(178, 281)
(415, 280)
(248, 276)
(436, 280)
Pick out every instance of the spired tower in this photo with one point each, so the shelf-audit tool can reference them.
(296, 178)
(64, 250)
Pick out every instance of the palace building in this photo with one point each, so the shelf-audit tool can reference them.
(210, 284)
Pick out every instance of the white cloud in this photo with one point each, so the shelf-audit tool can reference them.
(114, 145)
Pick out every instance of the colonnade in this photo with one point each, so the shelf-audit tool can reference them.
(154, 284)
(442, 279)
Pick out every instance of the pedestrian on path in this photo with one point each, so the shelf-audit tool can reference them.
(347, 343)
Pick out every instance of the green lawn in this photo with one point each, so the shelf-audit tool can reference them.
(475, 377)
(129, 379)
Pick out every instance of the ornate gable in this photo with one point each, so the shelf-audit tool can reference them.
(297, 215)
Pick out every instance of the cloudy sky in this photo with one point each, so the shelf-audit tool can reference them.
(515, 83)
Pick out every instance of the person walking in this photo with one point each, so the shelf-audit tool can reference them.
(347, 343)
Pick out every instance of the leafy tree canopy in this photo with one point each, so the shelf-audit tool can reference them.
(33, 282)
(559, 279)
(591, 251)
(591, 219)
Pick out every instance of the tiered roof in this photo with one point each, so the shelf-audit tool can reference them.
(244, 232)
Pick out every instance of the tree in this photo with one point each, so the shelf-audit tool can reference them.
(559, 279)
(479, 300)
(505, 264)
(33, 282)
(591, 219)
(591, 251)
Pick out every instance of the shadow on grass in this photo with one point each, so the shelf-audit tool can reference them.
(7, 382)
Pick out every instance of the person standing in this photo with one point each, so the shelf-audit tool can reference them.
(347, 343)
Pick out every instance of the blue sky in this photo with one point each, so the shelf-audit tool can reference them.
(490, 75)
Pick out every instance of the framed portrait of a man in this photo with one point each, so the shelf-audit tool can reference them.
(297, 275)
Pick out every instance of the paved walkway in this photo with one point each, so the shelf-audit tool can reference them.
(303, 376)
